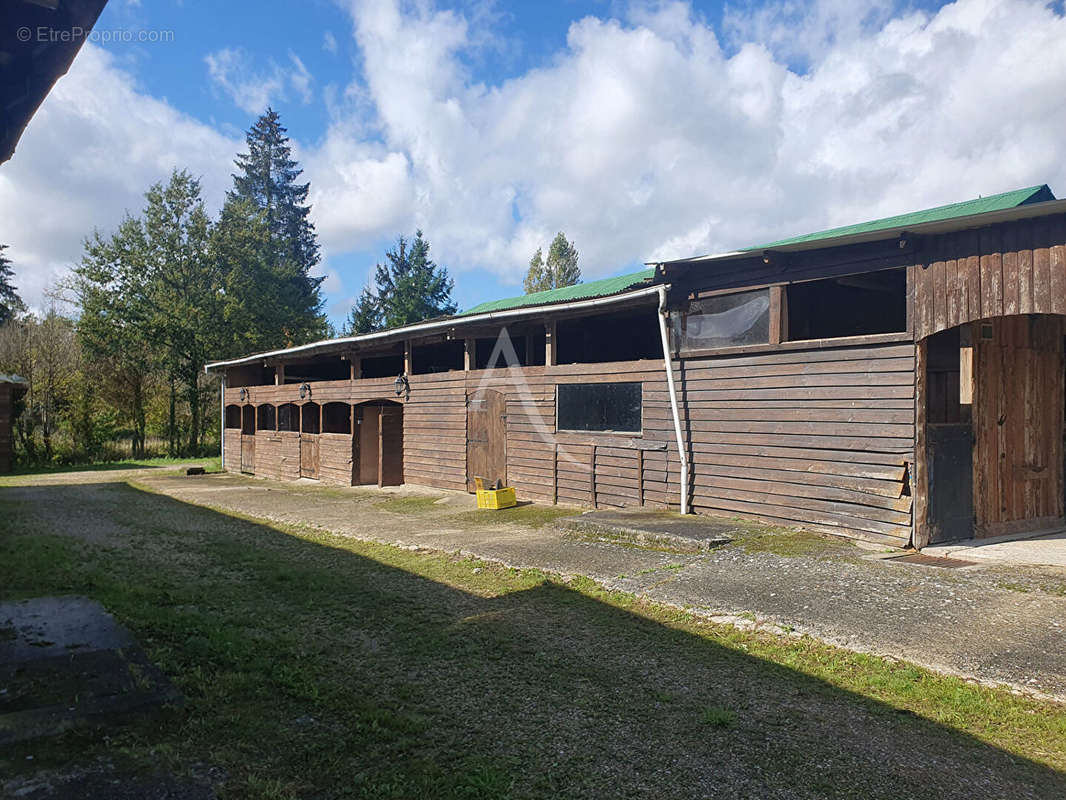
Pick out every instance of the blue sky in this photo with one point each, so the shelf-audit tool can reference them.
(642, 130)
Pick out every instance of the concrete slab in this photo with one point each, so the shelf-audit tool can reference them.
(1046, 549)
(651, 529)
(66, 662)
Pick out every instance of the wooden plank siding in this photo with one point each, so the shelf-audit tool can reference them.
(1000, 270)
(818, 438)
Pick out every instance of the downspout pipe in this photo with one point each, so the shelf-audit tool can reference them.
(682, 450)
(222, 420)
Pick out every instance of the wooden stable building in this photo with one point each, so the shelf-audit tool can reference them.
(899, 381)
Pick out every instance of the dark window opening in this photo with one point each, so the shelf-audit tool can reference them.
(233, 416)
(248, 420)
(627, 336)
(855, 305)
(440, 357)
(249, 375)
(289, 417)
(485, 347)
(599, 407)
(266, 418)
(337, 418)
(726, 320)
(324, 369)
(949, 378)
(382, 366)
(309, 418)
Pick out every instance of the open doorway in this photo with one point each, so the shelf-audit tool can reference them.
(377, 445)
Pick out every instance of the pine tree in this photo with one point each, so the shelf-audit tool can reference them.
(270, 246)
(559, 270)
(562, 262)
(10, 302)
(365, 316)
(537, 278)
(410, 287)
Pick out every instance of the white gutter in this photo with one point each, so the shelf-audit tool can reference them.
(451, 322)
(682, 451)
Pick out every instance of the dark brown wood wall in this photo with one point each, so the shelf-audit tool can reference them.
(6, 421)
(817, 437)
(1002, 270)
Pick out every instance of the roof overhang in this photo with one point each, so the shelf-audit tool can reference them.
(969, 222)
(38, 42)
(348, 343)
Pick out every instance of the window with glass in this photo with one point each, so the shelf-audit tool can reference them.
(599, 407)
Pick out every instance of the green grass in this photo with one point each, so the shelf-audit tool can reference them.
(315, 665)
(790, 543)
(210, 463)
(412, 504)
(530, 516)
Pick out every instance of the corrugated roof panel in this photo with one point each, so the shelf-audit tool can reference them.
(994, 202)
(580, 291)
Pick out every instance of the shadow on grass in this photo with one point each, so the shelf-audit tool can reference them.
(317, 666)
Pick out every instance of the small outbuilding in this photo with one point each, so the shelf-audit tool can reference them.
(899, 381)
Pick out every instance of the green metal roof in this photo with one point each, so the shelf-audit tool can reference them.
(994, 202)
(580, 291)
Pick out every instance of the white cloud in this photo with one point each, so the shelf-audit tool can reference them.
(88, 155)
(329, 42)
(646, 137)
(252, 90)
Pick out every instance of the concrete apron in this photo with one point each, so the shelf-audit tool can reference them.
(1042, 548)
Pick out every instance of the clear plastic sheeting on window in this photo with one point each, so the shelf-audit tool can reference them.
(724, 321)
(600, 407)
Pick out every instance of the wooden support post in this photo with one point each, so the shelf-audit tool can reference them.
(640, 477)
(919, 469)
(592, 474)
(407, 357)
(555, 474)
(529, 347)
(469, 354)
(778, 315)
(381, 448)
(356, 364)
(550, 355)
(279, 375)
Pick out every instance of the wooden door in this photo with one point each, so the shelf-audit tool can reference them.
(309, 456)
(368, 424)
(390, 446)
(248, 453)
(486, 437)
(1018, 424)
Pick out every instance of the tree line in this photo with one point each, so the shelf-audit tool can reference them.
(172, 288)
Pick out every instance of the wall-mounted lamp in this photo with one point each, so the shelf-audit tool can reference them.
(305, 390)
(766, 257)
(403, 387)
(244, 395)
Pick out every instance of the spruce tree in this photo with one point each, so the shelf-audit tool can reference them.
(10, 302)
(410, 287)
(365, 316)
(269, 245)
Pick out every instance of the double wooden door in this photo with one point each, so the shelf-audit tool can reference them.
(378, 444)
(486, 437)
(1018, 402)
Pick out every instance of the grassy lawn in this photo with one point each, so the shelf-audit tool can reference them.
(319, 666)
(211, 463)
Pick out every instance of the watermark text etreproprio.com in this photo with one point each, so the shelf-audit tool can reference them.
(46, 33)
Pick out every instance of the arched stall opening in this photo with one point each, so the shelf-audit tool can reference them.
(289, 417)
(310, 426)
(377, 446)
(266, 418)
(991, 409)
(233, 417)
(337, 418)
